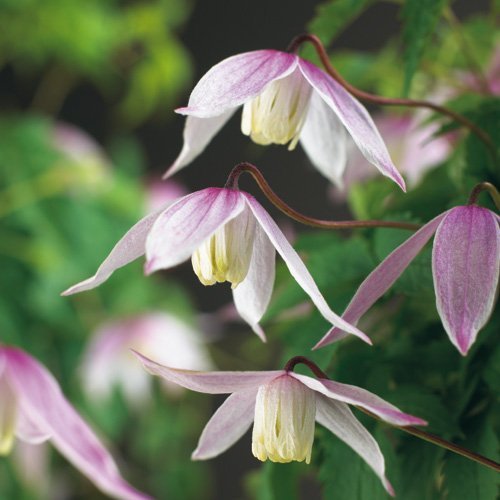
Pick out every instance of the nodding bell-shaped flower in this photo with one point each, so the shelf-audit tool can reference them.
(285, 99)
(284, 407)
(465, 268)
(33, 409)
(229, 237)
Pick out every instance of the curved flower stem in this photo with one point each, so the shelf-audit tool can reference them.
(485, 186)
(232, 182)
(426, 436)
(387, 101)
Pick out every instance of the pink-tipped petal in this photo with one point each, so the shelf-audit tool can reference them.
(198, 132)
(237, 79)
(323, 138)
(209, 382)
(40, 397)
(184, 226)
(465, 267)
(355, 119)
(228, 424)
(382, 278)
(252, 295)
(297, 268)
(338, 419)
(360, 397)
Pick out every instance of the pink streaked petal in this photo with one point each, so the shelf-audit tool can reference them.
(338, 419)
(297, 268)
(28, 431)
(40, 397)
(252, 295)
(323, 138)
(465, 267)
(228, 424)
(237, 79)
(357, 396)
(198, 132)
(209, 382)
(355, 119)
(382, 278)
(184, 226)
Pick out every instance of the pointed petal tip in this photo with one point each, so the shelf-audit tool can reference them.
(184, 110)
(149, 267)
(388, 487)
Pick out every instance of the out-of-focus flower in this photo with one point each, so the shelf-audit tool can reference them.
(229, 237)
(283, 407)
(285, 99)
(465, 267)
(490, 82)
(161, 194)
(108, 361)
(33, 409)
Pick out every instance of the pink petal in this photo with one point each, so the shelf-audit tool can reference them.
(357, 396)
(228, 424)
(465, 266)
(382, 278)
(40, 397)
(252, 295)
(198, 132)
(184, 226)
(237, 79)
(297, 268)
(338, 418)
(209, 382)
(355, 119)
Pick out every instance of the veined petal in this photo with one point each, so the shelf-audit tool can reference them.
(252, 295)
(28, 431)
(465, 267)
(355, 119)
(40, 397)
(237, 79)
(185, 225)
(297, 268)
(209, 382)
(382, 278)
(338, 418)
(357, 396)
(198, 132)
(233, 418)
(323, 138)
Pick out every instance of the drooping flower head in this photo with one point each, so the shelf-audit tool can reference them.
(229, 237)
(283, 407)
(33, 409)
(286, 100)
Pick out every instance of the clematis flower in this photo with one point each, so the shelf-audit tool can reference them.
(465, 268)
(285, 99)
(33, 409)
(229, 237)
(283, 407)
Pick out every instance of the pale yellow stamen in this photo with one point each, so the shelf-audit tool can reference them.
(8, 411)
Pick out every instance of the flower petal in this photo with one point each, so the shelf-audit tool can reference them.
(338, 418)
(297, 268)
(40, 397)
(323, 138)
(252, 295)
(236, 80)
(209, 382)
(198, 132)
(355, 119)
(233, 418)
(465, 267)
(382, 278)
(360, 397)
(185, 225)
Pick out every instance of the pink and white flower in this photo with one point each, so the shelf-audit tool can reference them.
(33, 409)
(465, 267)
(229, 237)
(283, 407)
(285, 99)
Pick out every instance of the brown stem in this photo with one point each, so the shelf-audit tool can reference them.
(484, 186)
(232, 182)
(426, 436)
(387, 101)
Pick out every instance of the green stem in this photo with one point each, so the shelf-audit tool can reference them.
(484, 186)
